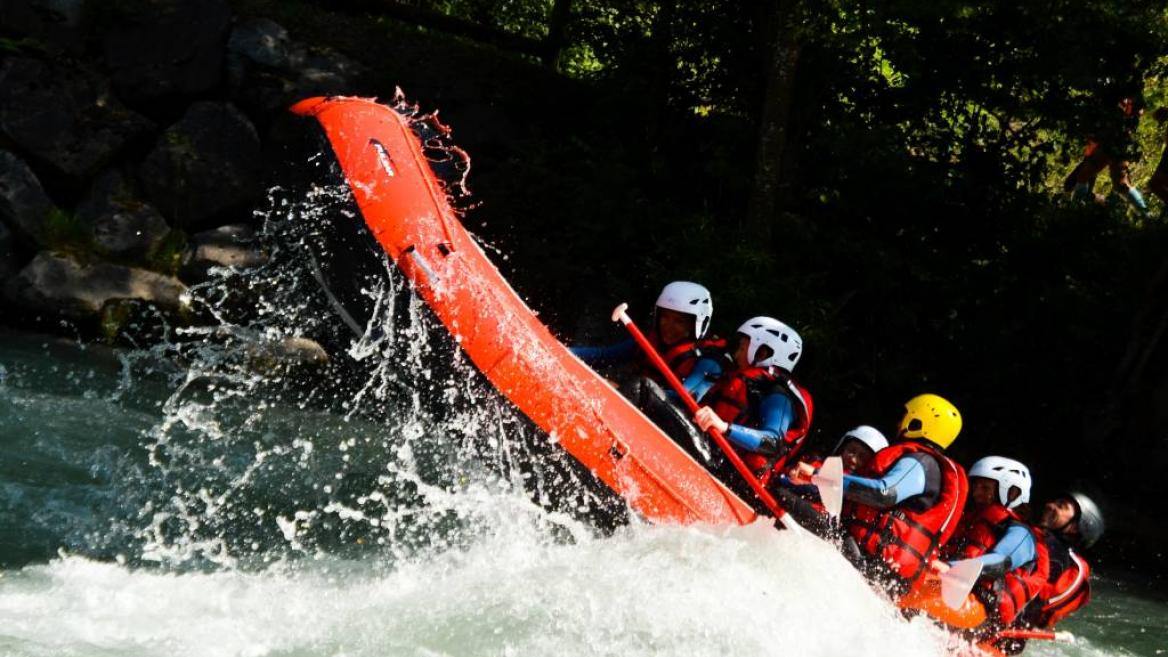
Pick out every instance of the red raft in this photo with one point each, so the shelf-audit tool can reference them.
(406, 211)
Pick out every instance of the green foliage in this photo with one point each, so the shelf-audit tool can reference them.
(65, 232)
(167, 257)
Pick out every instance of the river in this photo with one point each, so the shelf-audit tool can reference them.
(202, 495)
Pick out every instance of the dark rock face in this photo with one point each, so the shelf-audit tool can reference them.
(205, 165)
(267, 71)
(72, 289)
(55, 21)
(64, 115)
(23, 203)
(7, 254)
(123, 225)
(165, 48)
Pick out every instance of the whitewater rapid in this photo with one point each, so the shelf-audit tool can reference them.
(644, 591)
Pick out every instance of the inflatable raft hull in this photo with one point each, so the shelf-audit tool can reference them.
(406, 211)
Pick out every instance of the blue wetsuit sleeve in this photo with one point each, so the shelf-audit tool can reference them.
(1015, 548)
(616, 354)
(904, 480)
(777, 413)
(701, 379)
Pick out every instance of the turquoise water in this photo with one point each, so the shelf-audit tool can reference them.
(95, 562)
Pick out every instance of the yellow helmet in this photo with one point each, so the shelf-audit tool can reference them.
(930, 417)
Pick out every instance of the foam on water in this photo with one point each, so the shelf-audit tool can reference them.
(645, 591)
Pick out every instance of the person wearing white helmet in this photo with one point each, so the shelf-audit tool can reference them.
(1070, 522)
(858, 446)
(758, 405)
(855, 448)
(680, 333)
(1015, 561)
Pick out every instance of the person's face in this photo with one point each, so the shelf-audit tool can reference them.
(674, 327)
(983, 492)
(855, 455)
(740, 352)
(1057, 514)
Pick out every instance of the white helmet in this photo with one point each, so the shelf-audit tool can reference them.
(1008, 473)
(691, 299)
(784, 342)
(870, 436)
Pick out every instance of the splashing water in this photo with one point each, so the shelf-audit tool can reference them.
(220, 495)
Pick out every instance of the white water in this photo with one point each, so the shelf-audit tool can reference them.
(645, 591)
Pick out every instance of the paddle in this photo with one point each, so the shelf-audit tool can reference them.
(1041, 635)
(958, 580)
(619, 315)
(830, 480)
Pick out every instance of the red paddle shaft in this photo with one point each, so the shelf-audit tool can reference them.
(620, 315)
(1041, 635)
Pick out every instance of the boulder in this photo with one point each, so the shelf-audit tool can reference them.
(122, 225)
(24, 206)
(7, 254)
(204, 166)
(65, 115)
(159, 49)
(268, 71)
(268, 355)
(227, 246)
(63, 285)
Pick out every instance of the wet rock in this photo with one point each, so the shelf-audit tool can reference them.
(122, 225)
(165, 48)
(131, 233)
(24, 206)
(204, 166)
(262, 42)
(227, 246)
(65, 115)
(63, 285)
(289, 351)
(51, 21)
(268, 71)
(7, 254)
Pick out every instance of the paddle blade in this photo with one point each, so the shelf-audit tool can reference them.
(958, 581)
(830, 480)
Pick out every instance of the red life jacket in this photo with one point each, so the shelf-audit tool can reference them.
(1009, 595)
(1068, 591)
(736, 398)
(682, 357)
(906, 537)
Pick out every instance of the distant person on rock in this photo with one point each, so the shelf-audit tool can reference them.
(1158, 184)
(1015, 561)
(904, 504)
(1111, 147)
(760, 408)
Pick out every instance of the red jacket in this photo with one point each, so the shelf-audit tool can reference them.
(736, 398)
(906, 537)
